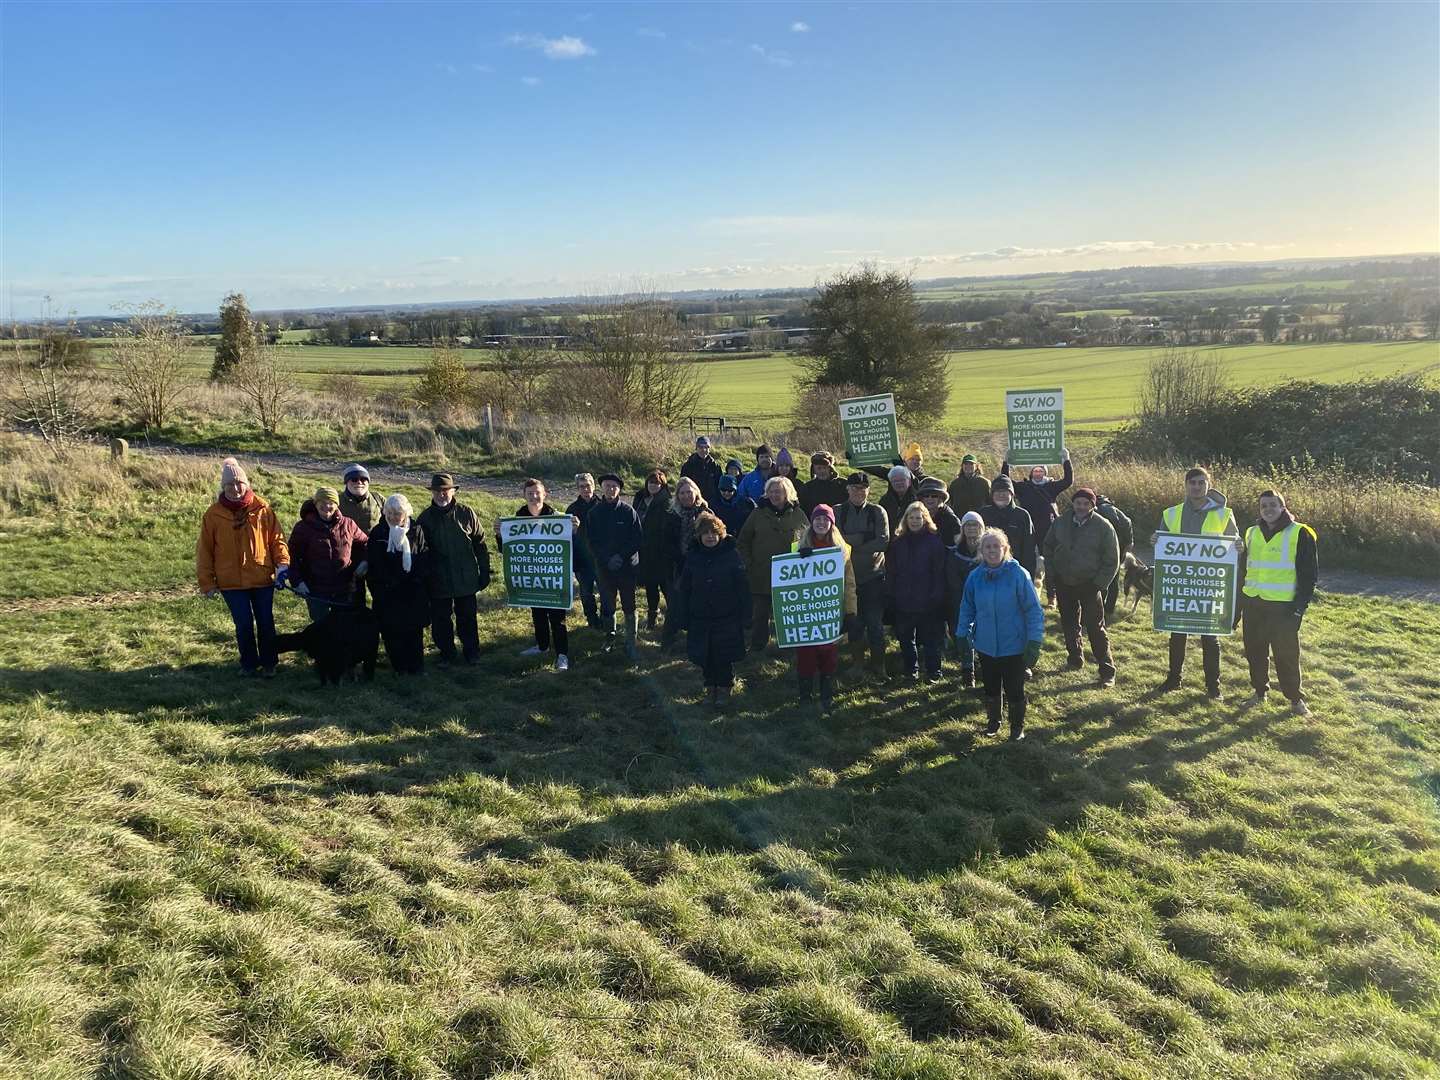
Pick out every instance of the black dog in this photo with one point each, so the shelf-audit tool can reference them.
(344, 638)
(1139, 579)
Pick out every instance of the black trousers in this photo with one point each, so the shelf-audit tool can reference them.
(1209, 655)
(405, 647)
(465, 625)
(1271, 627)
(1083, 605)
(621, 584)
(1004, 678)
(718, 672)
(585, 577)
(550, 623)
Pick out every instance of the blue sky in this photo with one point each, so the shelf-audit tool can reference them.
(316, 154)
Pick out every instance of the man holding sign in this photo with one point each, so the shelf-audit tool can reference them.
(812, 590)
(872, 436)
(538, 548)
(1203, 513)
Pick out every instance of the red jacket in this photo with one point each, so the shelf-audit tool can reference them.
(324, 554)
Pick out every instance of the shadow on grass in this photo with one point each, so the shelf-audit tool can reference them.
(898, 780)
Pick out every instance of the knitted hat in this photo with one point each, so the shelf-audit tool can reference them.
(326, 494)
(1002, 483)
(232, 471)
(784, 458)
(971, 515)
(355, 472)
(824, 510)
(933, 485)
(1083, 493)
(726, 483)
(968, 459)
(900, 470)
(735, 463)
(913, 450)
(858, 479)
(442, 481)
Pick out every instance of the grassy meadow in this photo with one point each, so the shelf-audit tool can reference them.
(506, 872)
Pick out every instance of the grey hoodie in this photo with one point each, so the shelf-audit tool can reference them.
(1192, 520)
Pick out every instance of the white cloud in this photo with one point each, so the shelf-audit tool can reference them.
(774, 57)
(798, 27)
(530, 80)
(565, 47)
(651, 32)
(442, 260)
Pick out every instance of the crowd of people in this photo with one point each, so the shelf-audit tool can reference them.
(950, 569)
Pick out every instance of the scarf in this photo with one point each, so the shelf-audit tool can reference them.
(239, 509)
(400, 541)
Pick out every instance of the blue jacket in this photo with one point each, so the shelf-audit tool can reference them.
(752, 484)
(999, 611)
(733, 512)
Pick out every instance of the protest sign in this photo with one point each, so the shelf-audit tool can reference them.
(538, 554)
(1036, 421)
(1196, 584)
(807, 597)
(872, 436)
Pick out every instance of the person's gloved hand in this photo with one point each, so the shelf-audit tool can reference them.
(806, 552)
(614, 563)
(282, 575)
(302, 589)
(362, 569)
(211, 594)
(1032, 653)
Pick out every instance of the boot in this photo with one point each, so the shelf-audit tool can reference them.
(631, 652)
(827, 694)
(992, 708)
(807, 688)
(877, 660)
(607, 627)
(1017, 720)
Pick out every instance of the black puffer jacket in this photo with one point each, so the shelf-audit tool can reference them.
(659, 540)
(712, 603)
(1016, 525)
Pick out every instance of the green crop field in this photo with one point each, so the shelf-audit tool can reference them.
(1100, 383)
(505, 872)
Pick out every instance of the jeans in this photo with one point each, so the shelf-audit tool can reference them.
(1209, 655)
(868, 622)
(1085, 604)
(465, 625)
(928, 628)
(585, 577)
(252, 610)
(550, 622)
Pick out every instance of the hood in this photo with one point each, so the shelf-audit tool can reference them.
(1216, 499)
(995, 572)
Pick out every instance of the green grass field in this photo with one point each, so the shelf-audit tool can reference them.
(505, 872)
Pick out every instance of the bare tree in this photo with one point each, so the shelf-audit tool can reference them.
(1179, 383)
(626, 365)
(149, 354)
(270, 392)
(520, 374)
(48, 390)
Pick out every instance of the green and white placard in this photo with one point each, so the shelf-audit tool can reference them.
(538, 554)
(872, 436)
(1036, 421)
(807, 597)
(1197, 583)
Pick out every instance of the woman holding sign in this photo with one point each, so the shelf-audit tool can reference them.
(1002, 617)
(771, 530)
(549, 623)
(812, 661)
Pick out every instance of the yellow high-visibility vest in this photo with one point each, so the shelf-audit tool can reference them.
(1215, 521)
(1270, 564)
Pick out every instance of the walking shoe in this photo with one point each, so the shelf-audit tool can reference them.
(1075, 662)
(1214, 693)
(1171, 684)
(1017, 733)
(1253, 701)
(932, 676)
(533, 650)
(1299, 708)
(1106, 682)
(562, 662)
(993, 707)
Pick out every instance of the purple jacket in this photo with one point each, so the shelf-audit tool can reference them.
(915, 573)
(1038, 500)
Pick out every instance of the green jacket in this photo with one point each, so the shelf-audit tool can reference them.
(366, 512)
(1082, 555)
(764, 534)
(969, 493)
(459, 559)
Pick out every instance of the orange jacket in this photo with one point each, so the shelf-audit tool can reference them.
(227, 557)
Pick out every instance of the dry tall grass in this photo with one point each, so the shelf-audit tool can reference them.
(33, 481)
